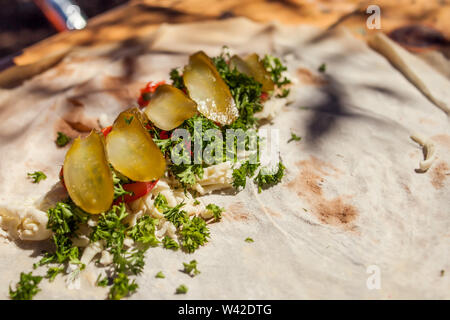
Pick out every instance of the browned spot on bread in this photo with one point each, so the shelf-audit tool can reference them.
(74, 122)
(236, 211)
(336, 211)
(76, 118)
(307, 77)
(308, 184)
(62, 126)
(438, 174)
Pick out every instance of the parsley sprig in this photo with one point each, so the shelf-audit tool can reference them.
(191, 268)
(26, 288)
(62, 139)
(37, 176)
(266, 179)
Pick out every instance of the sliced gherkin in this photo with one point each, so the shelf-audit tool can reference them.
(207, 88)
(87, 175)
(242, 66)
(131, 149)
(169, 107)
(257, 71)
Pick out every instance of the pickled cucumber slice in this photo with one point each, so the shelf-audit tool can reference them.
(131, 150)
(169, 107)
(208, 90)
(87, 175)
(253, 67)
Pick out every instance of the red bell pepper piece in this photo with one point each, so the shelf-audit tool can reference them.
(61, 177)
(264, 96)
(146, 91)
(106, 130)
(139, 189)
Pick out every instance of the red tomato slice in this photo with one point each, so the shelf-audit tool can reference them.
(164, 134)
(106, 130)
(148, 89)
(264, 96)
(139, 190)
(61, 177)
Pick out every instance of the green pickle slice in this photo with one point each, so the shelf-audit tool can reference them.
(169, 107)
(131, 149)
(87, 175)
(208, 90)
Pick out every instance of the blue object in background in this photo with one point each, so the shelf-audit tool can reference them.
(63, 14)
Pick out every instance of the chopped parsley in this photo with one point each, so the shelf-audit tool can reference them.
(191, 268)
(294, 137)
(169, 243)
(194, 234)
(122, 287)
(26, 288)
(177, 79)
(128, 120)
(160, 275)
(62, 139)
(240, 175)
(322, 68)
(274, 66)
(249, 240)
(215, 210)
(102, 282)
(119, 180)
(53, 272)
(37, 176)
(174, 215)
(182, 289)
(266, 179)
(144, 231)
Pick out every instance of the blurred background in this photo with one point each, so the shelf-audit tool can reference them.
(421, 26)
(23, 22)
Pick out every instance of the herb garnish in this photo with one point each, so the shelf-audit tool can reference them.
(249, 240)
(26, 288)
(274, 66)
(215, 210)
(160, 275)
(322, 68)
(182, 289)
(37, 176)
(62, 139)
(122, 287)
(169, 243)
(266, 179)
(240, 174)
(128, 120)
(191, 268)
(294, 137)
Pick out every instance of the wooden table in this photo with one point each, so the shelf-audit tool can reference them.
(140, 17)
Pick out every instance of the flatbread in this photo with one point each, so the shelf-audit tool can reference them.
(351, 198)
(432, 84)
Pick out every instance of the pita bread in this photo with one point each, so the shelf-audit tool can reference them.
(351, 201)
(432, 84)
